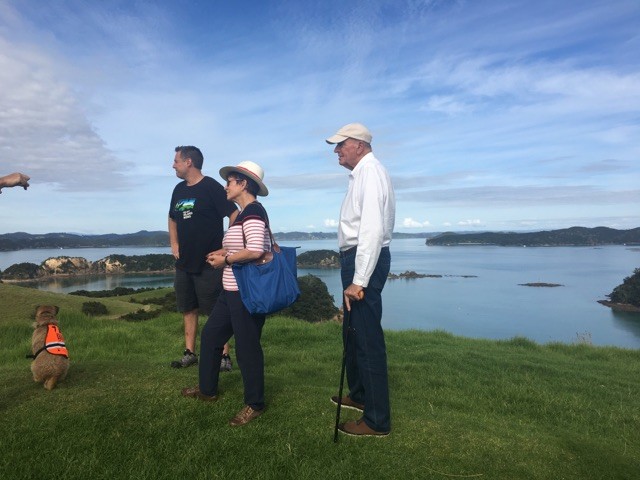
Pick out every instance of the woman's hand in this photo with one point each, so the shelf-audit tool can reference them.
(216, 260)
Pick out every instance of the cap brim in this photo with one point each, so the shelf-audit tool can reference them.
(336, 139)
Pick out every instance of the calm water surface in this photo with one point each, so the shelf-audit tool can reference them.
(490, 303)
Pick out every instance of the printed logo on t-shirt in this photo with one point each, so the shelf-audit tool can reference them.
(186, 206)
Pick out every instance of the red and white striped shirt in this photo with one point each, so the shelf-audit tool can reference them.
(251, 221)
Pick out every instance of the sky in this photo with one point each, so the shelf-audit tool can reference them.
(489, 114)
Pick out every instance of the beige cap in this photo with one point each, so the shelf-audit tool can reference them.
(251, 170)
(352, 130)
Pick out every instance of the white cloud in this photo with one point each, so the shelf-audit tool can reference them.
(534, 123)
(470, 223)
(331, 223)
(411, 223)
(446, 104)
(45, 131)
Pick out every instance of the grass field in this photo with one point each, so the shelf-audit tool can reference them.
(461, 408)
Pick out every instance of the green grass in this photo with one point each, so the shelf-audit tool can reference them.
(461, 408)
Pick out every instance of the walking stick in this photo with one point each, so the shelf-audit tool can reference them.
(347, 319)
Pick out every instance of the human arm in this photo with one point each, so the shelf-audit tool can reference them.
(254, 244)
(370, 195)
(14, 180)
(173, 238)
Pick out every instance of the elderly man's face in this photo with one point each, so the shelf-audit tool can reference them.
(349, 152)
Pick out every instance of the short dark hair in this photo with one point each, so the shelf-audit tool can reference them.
(193, 153)
(252, 186)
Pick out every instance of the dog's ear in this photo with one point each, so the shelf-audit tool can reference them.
(57, 309)
(35, 312)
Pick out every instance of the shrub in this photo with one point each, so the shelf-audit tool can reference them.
(140, 315)
(115, 292)
(315, 303)
(94, 309)
(23, 271)
(167, 302)
(629, 291)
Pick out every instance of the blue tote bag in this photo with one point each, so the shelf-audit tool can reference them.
(270, 283)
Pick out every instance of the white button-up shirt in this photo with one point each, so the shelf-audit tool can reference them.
(367, 216)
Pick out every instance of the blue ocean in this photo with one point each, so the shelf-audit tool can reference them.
(479, 294)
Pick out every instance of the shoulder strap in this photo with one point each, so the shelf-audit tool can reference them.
(274, 245)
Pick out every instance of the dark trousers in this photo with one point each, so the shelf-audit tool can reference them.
(366, 349)
(230, 318)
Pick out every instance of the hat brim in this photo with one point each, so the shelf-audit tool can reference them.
(225, 171)
(336, 139)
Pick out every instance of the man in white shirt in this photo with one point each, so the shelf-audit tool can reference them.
(367, 217)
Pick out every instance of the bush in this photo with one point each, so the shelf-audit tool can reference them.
(140, 315)
(629, 291)
(115, 292)
(167, 303)
(23, 271)
(315, 303)
(94, 309)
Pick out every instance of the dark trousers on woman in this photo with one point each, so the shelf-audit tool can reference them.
(230, 318)
(366, 350)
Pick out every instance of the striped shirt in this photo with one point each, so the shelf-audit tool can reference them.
(251, 221)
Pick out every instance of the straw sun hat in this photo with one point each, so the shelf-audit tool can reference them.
(251, 170)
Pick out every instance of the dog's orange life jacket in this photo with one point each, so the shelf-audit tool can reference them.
(53, 343)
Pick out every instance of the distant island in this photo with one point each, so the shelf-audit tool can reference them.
(143, 238)
(63, 266)
(410, 274)
(626, 296)
(567, 237)
(574, 236)
(72, 266)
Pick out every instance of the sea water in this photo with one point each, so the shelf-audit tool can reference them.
(479, 293)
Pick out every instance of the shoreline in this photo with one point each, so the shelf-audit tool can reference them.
(620, 307)
(81, 275)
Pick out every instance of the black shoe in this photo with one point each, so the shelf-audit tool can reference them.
(225, 364)
(189, 358)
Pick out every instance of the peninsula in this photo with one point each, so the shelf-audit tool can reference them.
(567, 237)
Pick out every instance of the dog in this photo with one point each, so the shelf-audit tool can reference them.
(48, 350)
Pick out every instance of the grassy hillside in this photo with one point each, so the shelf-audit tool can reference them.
(461, 408)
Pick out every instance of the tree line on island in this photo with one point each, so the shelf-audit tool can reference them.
(574, 236)
(143, 238)
(567, 237)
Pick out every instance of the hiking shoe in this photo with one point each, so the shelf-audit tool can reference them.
(189, 358)
(225, 363)
(348, 403)
(244, 416)
(358, 428)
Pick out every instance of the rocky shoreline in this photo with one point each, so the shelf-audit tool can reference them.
(62, 266)
(620, 307)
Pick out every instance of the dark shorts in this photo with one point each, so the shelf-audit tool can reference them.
(198, 290)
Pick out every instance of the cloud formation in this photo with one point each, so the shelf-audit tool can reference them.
(517, 113)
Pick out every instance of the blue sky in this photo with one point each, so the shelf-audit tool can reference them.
(489, 114)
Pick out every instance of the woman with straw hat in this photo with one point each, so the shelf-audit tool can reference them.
(245, 240)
